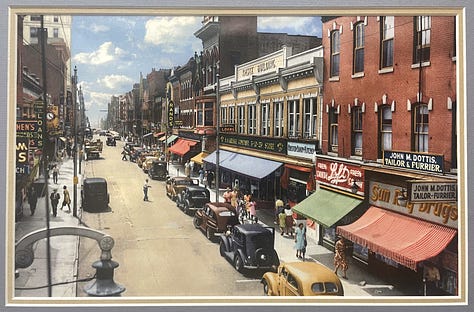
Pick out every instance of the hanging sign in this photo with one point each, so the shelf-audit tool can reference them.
(415, 161)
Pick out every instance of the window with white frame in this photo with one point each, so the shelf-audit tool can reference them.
(293, 118)
(241, 119)
(385, 128)
(34, 32)
(357, 131)
(421, 127)
(265, 128)
(55, 33)
(422, 39)
(387, 33)
(232, 114)
(335, 48)
(310, 117)
(252, 119)
(223, 115)
(333, 129)
(359, 48)
(278, 126)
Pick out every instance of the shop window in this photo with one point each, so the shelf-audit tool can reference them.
(335, 48)
(359, 48)
(333, 129)
(357, 131)
(241, 119)
(265, 129)
(252, 119)
(310, 117)
(422, 39)
(278, 119)
(421, 127)
(387, 33)
(293, 118)
(385, 129)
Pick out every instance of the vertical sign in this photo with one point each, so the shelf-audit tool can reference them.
(171, 113)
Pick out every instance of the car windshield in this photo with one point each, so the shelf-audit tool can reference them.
(327, 287)
(184, 182)
(199, 194)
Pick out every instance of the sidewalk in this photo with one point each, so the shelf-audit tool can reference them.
(63, 249)
(359, 283)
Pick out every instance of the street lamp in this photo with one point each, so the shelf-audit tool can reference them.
(218, 124)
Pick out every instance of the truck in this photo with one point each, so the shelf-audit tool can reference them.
(93, 148)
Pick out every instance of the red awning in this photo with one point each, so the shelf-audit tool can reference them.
(182, 146)
(403, 239)
(158, 134)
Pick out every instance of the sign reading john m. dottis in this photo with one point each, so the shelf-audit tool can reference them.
(415, 161)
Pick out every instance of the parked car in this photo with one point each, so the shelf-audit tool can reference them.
(176, 185)
(192, 198)
(158, 170)
(302, 279)
(215, 218)
(250, 246)
(94, 194)
(110, 141)
(146, 165)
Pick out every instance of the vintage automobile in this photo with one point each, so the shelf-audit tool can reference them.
(192, 198)
(215, 218)
(94, 194)
(250, 246)
(158, 170)
(175, 185)
(110, 141)
(146, 165)
(302, 279)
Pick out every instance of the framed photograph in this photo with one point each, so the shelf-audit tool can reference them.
(219, 155)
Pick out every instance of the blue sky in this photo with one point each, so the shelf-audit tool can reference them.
(111, 51)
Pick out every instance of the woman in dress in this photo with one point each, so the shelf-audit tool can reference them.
(300, 241)
(340, 257)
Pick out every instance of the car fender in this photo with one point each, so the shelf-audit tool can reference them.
(242, 255)
(225, 240)
(272, 282)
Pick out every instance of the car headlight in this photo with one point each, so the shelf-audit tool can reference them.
(263, 257)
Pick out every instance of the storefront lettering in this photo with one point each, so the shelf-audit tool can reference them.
(256, 143)
(407, 160)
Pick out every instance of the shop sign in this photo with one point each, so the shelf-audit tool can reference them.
(386, 196)
(432, 191)
(257, 143)
(340, 175)
(31, 130)
(301, 150)
(22, 166)
(170, 114)
(227, 128)
(415, 161)
(260, 67)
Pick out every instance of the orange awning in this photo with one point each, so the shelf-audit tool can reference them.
(182, 146)
(400, 238)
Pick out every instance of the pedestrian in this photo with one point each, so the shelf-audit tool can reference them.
(145, 190)
(234, 195)
(66, 199)
(210, 177)
(289, 220)
(124, 155)
(55, 174)
(300, 241)
(227, 195)
(32, 200)
(278, 207)
(54, 201)
(340, 257)
(191, 167)
(282, 222)
(187, 169)
(201, 176)
(252, 209)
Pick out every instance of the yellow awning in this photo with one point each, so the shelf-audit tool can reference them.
(198, 158)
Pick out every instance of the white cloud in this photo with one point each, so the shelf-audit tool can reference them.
(298, 25)
(107, 52)
(95, 28)
(114, 82)
(171, 34)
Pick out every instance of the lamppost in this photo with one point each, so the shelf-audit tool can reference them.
(74, 151)
(218, 124)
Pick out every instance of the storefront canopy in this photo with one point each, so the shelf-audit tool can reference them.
(403, 239)
(182, 146)
(246, 165)
(326, 207)
(198, 159)
(169, 139)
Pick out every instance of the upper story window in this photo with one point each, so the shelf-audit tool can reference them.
(208, 114)
(385, 129)
(387, 34)
(265, 128)
(310, 117)
(56, 19)
(333, 129)
(359, 47)
(241, 119)
(252, 119)
(35, 18)
(223, 114)
(34, 32)
(232, 114)
(294, 118)
(278, 126)
(335, 49)
(422, 39)
(421, 127)
(357, 131)
(55, 33)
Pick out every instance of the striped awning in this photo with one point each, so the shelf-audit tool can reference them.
(401, 238)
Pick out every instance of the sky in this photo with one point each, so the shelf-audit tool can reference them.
(110, 52)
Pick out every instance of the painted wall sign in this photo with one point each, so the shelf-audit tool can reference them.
(414, 161)
(22, 165)
(170, 114)
(433, 191)
(338, 174)
(261, 66)
(302, 150)
(256, 143)
(32, 130)
(386, 196)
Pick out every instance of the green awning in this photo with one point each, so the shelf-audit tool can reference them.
(326, 207)
(171, 138)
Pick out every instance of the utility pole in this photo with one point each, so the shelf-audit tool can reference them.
(218, 124)
(74, 151)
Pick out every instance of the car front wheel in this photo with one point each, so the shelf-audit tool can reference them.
(222, 249)
(238, 263)
(196, 222)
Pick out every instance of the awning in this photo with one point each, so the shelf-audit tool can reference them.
(403, 239)
(158, 134)
(246, 165)
(198, 159)
(326, 207)
(181, 147)
(169, 139)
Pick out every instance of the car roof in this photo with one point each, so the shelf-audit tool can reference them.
(94, 180)
(311, 272)
(252, 228)
(197, 188)
(218, 206)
